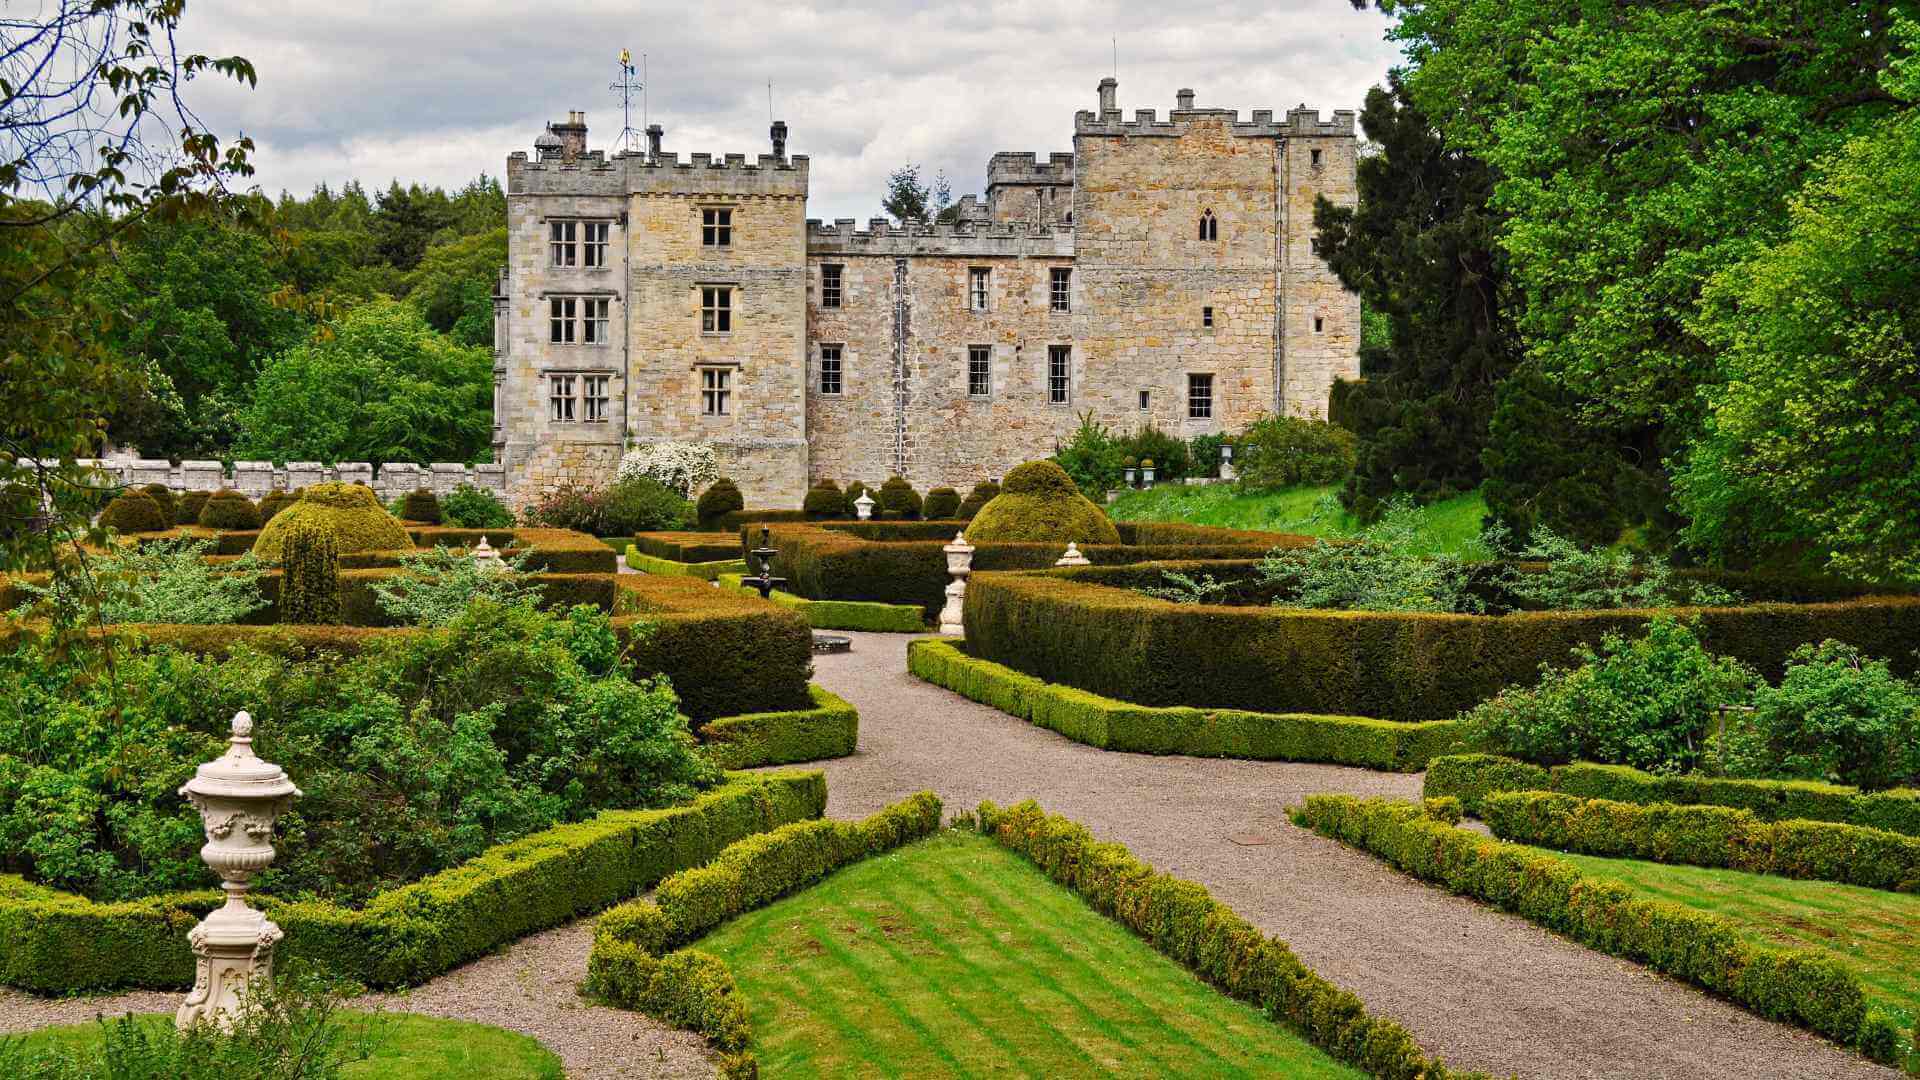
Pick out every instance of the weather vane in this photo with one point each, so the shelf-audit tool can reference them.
(629, 138)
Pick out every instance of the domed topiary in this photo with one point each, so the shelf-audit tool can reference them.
(228, 509)
(942, 503)
(358, 521)
(277, 500)
(824, 502)
(720, 499)
(852, 495)
(132, 512)
(982, 494)
(1040, 504)
(162, 494)
(898, 501)
(420, 505)
(190, 504)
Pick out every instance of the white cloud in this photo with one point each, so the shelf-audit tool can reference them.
(440, 91)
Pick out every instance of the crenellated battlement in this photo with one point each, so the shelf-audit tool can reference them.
(964, 238)
(1299, 122)
(1010, 167)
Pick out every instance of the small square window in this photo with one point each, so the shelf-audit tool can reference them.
(1059, 374)
(1206, 317)
(980, 371)
(560, 398)
(594, 244)
(1146, 400)
(977, 288)
(560, 242)
(716, 391)
(1318, 324)
(830, 372)
(1062, 291)
(716, 310)
(1200, 397)
(594, 396)
(830, 286)
(716, 228)
(561, 315)
(593, 326)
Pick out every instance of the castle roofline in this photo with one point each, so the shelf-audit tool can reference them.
(1298, 122)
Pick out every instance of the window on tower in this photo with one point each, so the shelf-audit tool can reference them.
(1209, 226)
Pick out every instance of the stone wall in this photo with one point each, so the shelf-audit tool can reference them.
(256, 478)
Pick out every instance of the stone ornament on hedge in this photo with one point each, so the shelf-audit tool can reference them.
(239, 797)
(960, 565)
(1072, 556)
(863, 506)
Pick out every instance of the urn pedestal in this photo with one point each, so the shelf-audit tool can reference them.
(960, 565)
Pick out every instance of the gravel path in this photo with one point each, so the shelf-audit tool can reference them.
(1481, 988)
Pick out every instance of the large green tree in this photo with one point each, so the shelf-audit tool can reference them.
(381, 386)
(1420, 250)
(453, 285)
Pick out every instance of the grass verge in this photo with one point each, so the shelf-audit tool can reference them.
(1452, 526)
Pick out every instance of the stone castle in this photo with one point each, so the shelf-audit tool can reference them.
(1163, 271)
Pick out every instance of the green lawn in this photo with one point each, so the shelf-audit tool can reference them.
(1453, 525)
(952, 957)
(409, 1047)
(1875, 933)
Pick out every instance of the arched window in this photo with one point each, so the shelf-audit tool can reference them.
(1209, 228)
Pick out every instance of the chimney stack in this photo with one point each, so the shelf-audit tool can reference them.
(654, 131)
(573, 136)
(779, 133)
(1184, 99)
(1109, 88)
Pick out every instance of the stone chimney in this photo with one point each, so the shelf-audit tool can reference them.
(573, 136)
(654, 132)
(1109, 89)
(1183, 100)
(779, 133)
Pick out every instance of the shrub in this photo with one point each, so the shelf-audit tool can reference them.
(349, 511)
(310, 576)
(229, 510)
(470, 507)
(1092, 457)
(1183, 589)
(190, 504)
(824, 501)
(277, 500)
(1040, 504)
(1470, 778)
(983, 493)
(682, 467)
(1580, 579)
(941, 505)
(134, 512)
(1649, 702)
(162, 494)
(421, 506)
(898, 500)
(436, 587)
(640, 504)
(723, 497)
(828, 730)
(1203, 454)
(852, 495)
(163, 581)
(1168, 453)
(570, 506)
(1835, 715)
(1380, 570)
(1287, 451)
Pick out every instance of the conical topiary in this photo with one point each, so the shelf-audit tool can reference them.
(134, 512)
(190, 504)
(1040, 504)
(722, 498)
(310, 575)
(982, 494)
(350, 511)
(420, 505)
(824, 502)
(898, 501)
(162, 494)
(228, 509)
(941, 505)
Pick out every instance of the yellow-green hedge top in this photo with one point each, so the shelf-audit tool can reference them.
(1039, 503)
(350, 511)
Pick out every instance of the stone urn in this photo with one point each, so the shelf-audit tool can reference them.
(239, 798)
(960, 565)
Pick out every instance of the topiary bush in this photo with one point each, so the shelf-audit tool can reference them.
(230, 510)
(420, 505)
(1040, 504)
(469, 507)
(189, 510)
(721, 498)
(162, 494)
(898, 501)
(824, 502)
(983, 493)
(942, 504)
(277, 500)
(355, 517)
(310, 581)
(134, 511)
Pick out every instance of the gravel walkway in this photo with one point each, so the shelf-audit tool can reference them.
(1480, 988)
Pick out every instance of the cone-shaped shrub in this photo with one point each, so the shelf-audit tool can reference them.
(190, 504)
(982, 494)
(825, 501)
(230, 510)
(942, 503)
(162, 494)
(310, 575)
(720, 499)
(1040, 504)
(420, 505)
(134, 511)
(898, 500)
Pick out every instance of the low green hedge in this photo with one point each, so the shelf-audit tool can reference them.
(1186, 924)
(695, 990)
(1794, 985)
(842, 614)
(1073, 627)
(552, 551)
(1708, 836)
(731, 521)
(1143, 729)
(688, 547)
(53, 942)
(828, 730)
(1473, 776)
(705, 571)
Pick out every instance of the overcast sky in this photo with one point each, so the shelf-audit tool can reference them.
(437, 92)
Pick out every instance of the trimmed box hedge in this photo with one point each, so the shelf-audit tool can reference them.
(830, 729)
(688, 547)
(842, 614)
(552, 551)
(1718, 836)
(705, 571)
(1079, 627)
(1183, 922)
(53, 942)
(1119, 725)
(1472, 777)
(733, 519)
(694, 990)
(1794, 985)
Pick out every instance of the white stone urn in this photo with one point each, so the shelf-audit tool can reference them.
(239, 797)
(1072, 557)
(960, 565)
(486, 558)
(863, 506)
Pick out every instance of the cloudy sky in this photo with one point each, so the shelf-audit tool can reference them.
(437, 92)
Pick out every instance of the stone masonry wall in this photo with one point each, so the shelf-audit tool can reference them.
(1319, 320)
(256, 478)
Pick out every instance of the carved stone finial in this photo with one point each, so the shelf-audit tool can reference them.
(243, 725)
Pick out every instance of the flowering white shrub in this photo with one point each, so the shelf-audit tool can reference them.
(686, 467)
